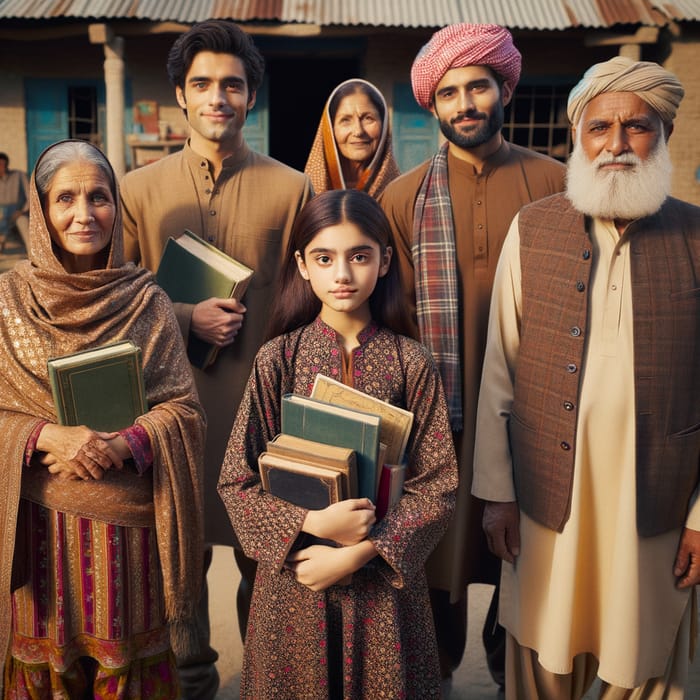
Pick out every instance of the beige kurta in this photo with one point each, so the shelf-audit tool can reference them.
(483, 205)
(248, 213)
(597, 587)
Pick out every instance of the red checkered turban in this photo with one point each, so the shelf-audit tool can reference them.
(462, 45)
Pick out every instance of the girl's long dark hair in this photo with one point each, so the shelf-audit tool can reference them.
(296, 304)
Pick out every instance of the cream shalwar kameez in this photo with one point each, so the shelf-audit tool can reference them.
(596, 587)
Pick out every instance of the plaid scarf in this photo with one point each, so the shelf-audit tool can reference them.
(434, 259)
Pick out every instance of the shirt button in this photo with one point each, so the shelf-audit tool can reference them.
(580, 286)
(207, 191)
(480, 226)
(575, 331)
(478, 201)
(571, 368)
(568, 406)
(212, 213)
(565, 446)
(614, 287)
(586, 254)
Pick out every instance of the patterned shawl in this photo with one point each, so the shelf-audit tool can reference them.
(44, 312)
(324, 165)
(435, 263)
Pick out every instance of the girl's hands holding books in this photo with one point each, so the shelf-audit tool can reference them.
(318, 567)
(346, 522)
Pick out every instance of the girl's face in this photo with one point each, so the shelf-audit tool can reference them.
(342, 264)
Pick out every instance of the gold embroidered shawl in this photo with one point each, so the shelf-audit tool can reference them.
(45, 312)
(324, 165)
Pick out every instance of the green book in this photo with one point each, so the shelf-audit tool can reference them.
(337, 425)
(99, 387)
(192, 270)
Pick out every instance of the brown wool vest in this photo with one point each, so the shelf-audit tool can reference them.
(556, 258)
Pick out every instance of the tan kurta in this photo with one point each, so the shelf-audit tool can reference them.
(597, 587)
(483, 206)
(248, 213)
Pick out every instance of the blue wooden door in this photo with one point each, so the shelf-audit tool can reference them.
(47, 115)
(47, 105)
(415, 131)
(257, 126)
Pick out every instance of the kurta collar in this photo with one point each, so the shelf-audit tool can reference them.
(233, 162)
(364, 336)
(496, 159)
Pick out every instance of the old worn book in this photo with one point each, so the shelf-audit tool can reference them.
(192, 270)
(337, 425)
(341, 458)
(396, 422)
(100, 387)
(307, 485)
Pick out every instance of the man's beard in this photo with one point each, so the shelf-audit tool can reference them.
(490, 125)
(619, 194)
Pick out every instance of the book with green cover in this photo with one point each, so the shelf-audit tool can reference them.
(192, 270)
(337, 425)
(99, 387)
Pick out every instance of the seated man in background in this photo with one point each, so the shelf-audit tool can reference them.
(14, 202)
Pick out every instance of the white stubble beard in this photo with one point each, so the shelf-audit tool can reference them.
(619, 194)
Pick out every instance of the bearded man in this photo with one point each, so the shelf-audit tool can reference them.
(588, 437)
(449, 217)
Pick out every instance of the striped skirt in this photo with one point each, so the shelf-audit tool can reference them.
(91, 608)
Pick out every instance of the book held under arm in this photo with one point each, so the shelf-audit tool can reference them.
(192, 270)
(99, 387)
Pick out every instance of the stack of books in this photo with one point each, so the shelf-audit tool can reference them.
(337, 443)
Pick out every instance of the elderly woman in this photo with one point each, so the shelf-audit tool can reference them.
(352, 147)
(100, 543)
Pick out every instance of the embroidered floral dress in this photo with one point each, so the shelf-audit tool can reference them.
(375, 637)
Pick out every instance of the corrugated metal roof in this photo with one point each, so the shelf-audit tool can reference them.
(521, 14)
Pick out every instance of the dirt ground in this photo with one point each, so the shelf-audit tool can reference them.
(471, 681)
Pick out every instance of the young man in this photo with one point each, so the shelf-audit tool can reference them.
(450, 216)
(588, 448)
(243, 203)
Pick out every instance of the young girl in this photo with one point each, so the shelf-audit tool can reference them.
(338, 313)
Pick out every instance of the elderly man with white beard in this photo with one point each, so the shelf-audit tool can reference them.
(588, 431)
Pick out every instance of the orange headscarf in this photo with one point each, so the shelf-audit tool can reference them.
(324, 166)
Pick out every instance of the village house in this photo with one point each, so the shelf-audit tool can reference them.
(96, 69)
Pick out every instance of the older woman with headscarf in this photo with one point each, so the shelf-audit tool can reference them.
(352, 147)
(100, 544)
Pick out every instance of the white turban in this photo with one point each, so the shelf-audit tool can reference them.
(661, 90)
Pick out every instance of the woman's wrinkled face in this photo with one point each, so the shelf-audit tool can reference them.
(80, 210)
(357, 127)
